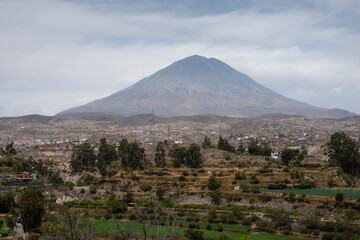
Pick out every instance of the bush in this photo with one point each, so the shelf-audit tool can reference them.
(312, 222)
(213, 183)
(92, 189)
(224, 237)
(134, 177)
(82, 190)
(219, 228)
(277, 186)
(146, 187)
(181, 178)
(56, 179)
(194, 234)
(254, 179)
(339, 197)
(115, 206)
(111, 172)
(70, 185)
(208, 227)
(286, 232)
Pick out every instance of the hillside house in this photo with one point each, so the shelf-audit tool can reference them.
(24, 176)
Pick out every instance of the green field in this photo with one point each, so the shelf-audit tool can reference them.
(110, 226)
(317, 192)
(268, 236)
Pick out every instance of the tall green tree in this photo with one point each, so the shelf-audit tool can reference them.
(160, 154)
(7, 202)
(193, 157)
(32, 209)
(213, 183)
(207, 142)
(131, 154)
(288, 155)
(83, 157)
(223, 144)
(345, 152)
(106, 155)
(9, 150)
(178, 155)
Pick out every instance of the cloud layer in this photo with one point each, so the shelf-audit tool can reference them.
(60, 54)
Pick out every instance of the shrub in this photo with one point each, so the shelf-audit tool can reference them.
(254, 179)
(82, 190)
(339, 197)
(240, 176)
(224, 237)
(277, 186)
(92, 189)
(56, 179)
(219, 228)
(146, 187)
(194, 234)
(70, 185)
(208, 227)
(181, 178)
(111, 172)
(134, 177)
(286, 232)
(213, 183)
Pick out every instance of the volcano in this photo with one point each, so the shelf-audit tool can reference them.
(198, 85)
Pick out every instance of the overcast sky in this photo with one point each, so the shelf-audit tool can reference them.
(58, 54)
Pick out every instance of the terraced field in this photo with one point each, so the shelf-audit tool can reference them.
(318, 192)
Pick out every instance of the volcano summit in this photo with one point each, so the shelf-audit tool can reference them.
(197, 85)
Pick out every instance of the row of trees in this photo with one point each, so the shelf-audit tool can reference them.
(253, 148)
(130, 153)
(190, 156)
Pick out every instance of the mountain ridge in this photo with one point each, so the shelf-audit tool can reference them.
(198, 85)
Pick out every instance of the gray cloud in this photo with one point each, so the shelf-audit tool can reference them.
(59, 54)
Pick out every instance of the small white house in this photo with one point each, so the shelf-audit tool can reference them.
(275, 155)
(236, 188)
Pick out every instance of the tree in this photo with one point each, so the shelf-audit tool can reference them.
(106, 155)
(9, 150)
(193, 234)
(345, 152)
(339, 197)
(193, 156)
(207, 142)
(178, 155)
(241, 148)
(223, 144)
(288, 155)
(131, 154)
(152, 219)
(115, 206)
(160, 154)
(7, 202)
(68, 225)
(56, 179)
(160, 193)
(83, 157)
(213, 183)
(216, 197)
(32, 209)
